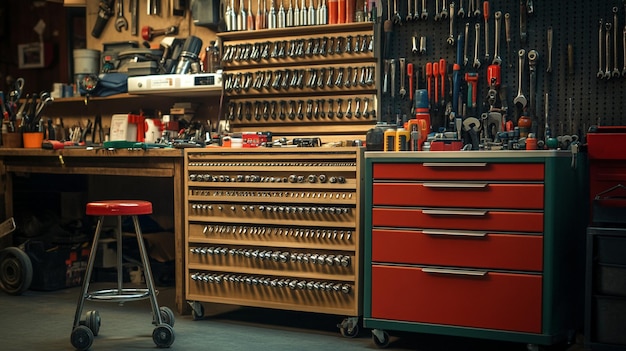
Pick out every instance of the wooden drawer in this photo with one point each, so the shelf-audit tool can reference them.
(479, 299)
(459, 194)
(457, 248)
(458, 219)
(458, 171)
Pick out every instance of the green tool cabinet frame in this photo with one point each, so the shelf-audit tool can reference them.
(565, 213)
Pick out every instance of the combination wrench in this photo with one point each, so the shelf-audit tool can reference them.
(533, 56)
(465, 45)
(396, 15)
(497, 60)
(409, 14)
(120, 21)
(476, 63)
(523, 35)
(607, 43)
(549, 38)
(486, 16)
(444, 11)
(616, 73)
(600, 73)
(416, 15)
(624, 39)
(424, 15)
(437, 8)
(461, 12)
(520, 99)
(450, 39)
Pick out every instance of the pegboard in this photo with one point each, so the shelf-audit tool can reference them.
(577, 98)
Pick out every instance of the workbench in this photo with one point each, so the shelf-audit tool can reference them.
(165, 164)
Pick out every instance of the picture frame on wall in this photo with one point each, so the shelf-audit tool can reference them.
(34, 55)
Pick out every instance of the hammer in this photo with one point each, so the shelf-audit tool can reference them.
(148, 33)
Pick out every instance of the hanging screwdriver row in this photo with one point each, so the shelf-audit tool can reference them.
(270, 164)
(311, 109)
(298, 48)
(253, 178)
(292, 284)
(203, 208)
(274, 194)
(275, 256)
(312, 233)
(298, 79)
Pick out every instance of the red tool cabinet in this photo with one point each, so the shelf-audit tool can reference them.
(485, 244)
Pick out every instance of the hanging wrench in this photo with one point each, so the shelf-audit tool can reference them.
(461, 12)
(533, 56)
(522, 21)
(507, 34)
(477, 9)
(402, 61)
(600, 74)
(476, 63)
(396, 16)
(416, 15)
(465, 45)
(409, 14)
(616, 73)
(520, 99)
(437, 8)
(120, 21)
(549, 37)
(444, 11)
(607, 43)
(450, 39)
(497, 60)
(624, 39)
(424, 14)
(486, 17)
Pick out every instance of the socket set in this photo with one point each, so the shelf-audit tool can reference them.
(252, 214)
(298, 48)
(346, 77)
(273, 282)
(319, 109)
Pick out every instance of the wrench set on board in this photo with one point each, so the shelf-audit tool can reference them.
(496, 71)
(275, 228)
(311, 77)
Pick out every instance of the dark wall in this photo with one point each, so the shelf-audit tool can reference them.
(65, 28)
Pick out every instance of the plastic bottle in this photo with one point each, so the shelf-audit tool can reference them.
(341, 11)
(333, 11)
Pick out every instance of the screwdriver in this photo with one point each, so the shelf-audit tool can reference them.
(409, 72)
(442, 71)
(429, 74)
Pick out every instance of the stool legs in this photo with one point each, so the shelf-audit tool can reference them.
(147, 271)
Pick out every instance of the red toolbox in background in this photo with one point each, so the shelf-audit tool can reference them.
(606, 148)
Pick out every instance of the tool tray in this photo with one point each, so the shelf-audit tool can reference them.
(609, 206)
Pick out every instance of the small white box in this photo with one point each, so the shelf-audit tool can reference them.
(121, 129)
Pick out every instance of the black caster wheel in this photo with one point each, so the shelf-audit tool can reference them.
(380, 338)
(16, 271)
(197, 313)
(92, 321)
(82, 338)
(167, 316)
(163, 336)
(350, 332)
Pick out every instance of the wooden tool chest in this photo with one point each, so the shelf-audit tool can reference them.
(477, 244)
(275, 228)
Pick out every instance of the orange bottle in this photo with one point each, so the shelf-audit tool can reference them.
(332, 11)
(341, 11)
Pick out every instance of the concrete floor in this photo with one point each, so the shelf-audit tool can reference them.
(43, 321)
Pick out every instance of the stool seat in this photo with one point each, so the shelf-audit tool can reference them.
(119, 208)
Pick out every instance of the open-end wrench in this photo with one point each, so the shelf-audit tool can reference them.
(134, 16)
(486, 17)
(497, 60)
(424, 15)
(120, 21)
(477, 9)
(437, 9)
(416, 15)
(465, 45)
(402, 62)
(470, 10)
(600, 73)
(461, 12)
(533, 56)
(520, 99)
(409, 14)
(549, 38)
(507, 34)
(450, 39)
(396, 15)
(616, 73)
(444, 11)
(476, 63)
(624, 39)
(607, 44)
(523, 35)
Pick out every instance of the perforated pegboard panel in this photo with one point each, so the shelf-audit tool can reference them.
(577, 98)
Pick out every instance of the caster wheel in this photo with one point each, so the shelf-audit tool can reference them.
(197, 313)
(92, 321)
(380, 338)
(350, 332)
(82, 338)
(163, 336)
(167, 316)
(16, 271)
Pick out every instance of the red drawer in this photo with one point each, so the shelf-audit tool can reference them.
(458, 219)
(458, 171)
(457, 248)
(459, 194)
(503, 301)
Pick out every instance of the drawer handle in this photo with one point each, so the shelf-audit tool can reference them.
(456, 185)
(455, 212)
(454, 272)
(455, 233)
(455, 164)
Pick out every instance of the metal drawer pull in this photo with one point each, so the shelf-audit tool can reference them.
(454, 164)
(455, 212)
(455, 233)
(455, 185)
(454, 272)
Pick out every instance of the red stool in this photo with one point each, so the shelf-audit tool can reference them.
(85, 330)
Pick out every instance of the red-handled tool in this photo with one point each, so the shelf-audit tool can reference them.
(443, 65)
(436, 75)
(409, 72)
(429, 74)
(472, 89)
